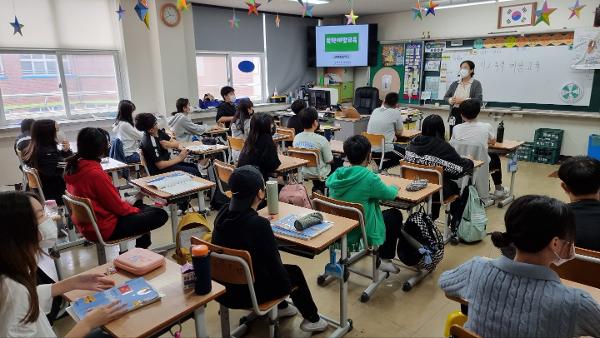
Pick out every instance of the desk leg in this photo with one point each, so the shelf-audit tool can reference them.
(115, 178)
(174, 222)
(429, 204)
(200, 322)
(344, 325)
(201, 202)
(511, 192)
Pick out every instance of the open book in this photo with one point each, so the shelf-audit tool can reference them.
(285, 226)
(135, 293)
(175, 183)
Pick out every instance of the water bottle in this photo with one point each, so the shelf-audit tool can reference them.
(272, 197)
(201, 262)
(500, 132)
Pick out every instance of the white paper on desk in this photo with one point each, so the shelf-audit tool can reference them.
(175, 184)
(200, 147)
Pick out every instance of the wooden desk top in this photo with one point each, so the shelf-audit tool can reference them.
(337, 146)
(290, 163)
(476, 163)
(318, 244)
(507, 145)
(217, 148)
(142, 183)
(410, 196)
(219, 130)
(410, 133)
(279, 137)
(112, 165)
(148, 320)
(328, 127)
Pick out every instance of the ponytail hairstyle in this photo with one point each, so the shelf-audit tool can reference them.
(180, 105)
(242, 114)
(92, 144)
(532, 222)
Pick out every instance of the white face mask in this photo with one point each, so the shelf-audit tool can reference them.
(48, 232)
(464, 73)
(232, 98)
(560, 260)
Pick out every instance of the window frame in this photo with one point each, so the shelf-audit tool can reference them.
(2, 72)
(60, 58)
(229, 56)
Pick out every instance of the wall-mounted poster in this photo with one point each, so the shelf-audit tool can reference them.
(412, 71)
(516, 15)
(432, 65)
(393, 55)
(586, 46)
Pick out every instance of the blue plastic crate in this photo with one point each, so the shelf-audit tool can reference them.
(594, 146)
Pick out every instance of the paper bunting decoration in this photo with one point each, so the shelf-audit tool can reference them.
(417, 11)
(307, 10)
(277, 21)
(253, 7)
(234, 22)
(141, 8)
(351, 18)
(17, 26)
(120, 12)
(431, 8)
(182, 5)
(576, 9)
(544, 14)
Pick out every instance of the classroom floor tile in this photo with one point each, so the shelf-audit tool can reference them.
(391, 312)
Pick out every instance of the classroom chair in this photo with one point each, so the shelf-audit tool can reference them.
(313, 156)
(457, 331)
(584, 269)
(434, 175)
(481, 175)
(222, 172)
(34, 182)
(143, 162)
(230, 266)
(21, 165)
(376, 140)
(353, 211)
(235, 144)
(289, 132)
(82, 209)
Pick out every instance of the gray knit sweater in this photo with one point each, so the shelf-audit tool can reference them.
(513, 299)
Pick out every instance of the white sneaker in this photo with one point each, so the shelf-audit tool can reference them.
(488, 203)
(501, 193)
(388, 266)
(289, 311)
(319, 326)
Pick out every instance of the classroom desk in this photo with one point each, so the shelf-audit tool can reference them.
(341, 227)
(198, 148)
(411, 197)
(142, 184)
(350, 127)
(337, 147)
(175, 304)
(289, 163)
(506, 148)
(217, 131)
(408, 134)
(112, 166)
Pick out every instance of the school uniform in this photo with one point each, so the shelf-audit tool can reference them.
(51, 174)
(130, 138)
(154, 152)
(264, 156)
(387, 122)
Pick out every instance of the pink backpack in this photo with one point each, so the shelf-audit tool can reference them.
(295, 194)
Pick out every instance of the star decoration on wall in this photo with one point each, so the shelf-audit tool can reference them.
(417, 11)
(576, 9)
(17, 26)
(182, 5)
(141, 8)
(234, 22)
(544, 14)
(351, 18)
(307, 10)
(120, 12)
(252, 7)
(277, 21)
(431, 8)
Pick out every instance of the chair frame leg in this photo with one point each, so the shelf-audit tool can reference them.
(225, 326)
(101, 251)
(273, 323)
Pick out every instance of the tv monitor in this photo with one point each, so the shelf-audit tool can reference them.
(342, 46)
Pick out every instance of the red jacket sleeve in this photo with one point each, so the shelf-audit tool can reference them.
(109, 197)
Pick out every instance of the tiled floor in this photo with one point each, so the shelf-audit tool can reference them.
(390, 312)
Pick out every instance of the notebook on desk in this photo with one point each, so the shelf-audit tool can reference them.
(175, 183)
(200, 147)
(285, 227)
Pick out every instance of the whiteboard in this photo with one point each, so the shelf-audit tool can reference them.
(525, 75)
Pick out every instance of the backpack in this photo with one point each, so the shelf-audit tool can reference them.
(190, 224)
(474, 221)
(421, 242)
(295, 194)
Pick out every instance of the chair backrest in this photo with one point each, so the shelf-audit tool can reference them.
(348, 113)
(349, 210)
(235, 143)
(413, 171)
(227, 270)
(584, 269)
(313, 156)
(457, 331)
(289, 132)
(81, 208)
(223, 171)
(478, 152)
(376, 140)
(34, 181)
(143, 161)
(366, 99)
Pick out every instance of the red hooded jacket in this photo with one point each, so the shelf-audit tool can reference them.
(90, 181)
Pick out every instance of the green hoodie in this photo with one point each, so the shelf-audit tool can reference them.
(358, 184)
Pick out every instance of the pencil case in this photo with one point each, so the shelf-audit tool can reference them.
(139, 261)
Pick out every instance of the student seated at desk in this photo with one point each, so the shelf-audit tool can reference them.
(238, 226)
(43, 154)
(474, 131)
(22, 141)
(126, 132)
(431, 149)
(524, 297)
(240, 124)
(183, 127)
(226, 109)
(358, 184)
(294, 121)
(116, 218)
(308, 139)
(259, 149)
(387, 121)
(155, 145)
(23, 305)
(580, 178)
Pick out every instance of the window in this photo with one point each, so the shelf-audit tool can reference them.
(91, 85)
(2, 75)
(241, 71)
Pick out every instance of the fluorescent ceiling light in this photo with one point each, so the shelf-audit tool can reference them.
(466, 4)
(315, 2)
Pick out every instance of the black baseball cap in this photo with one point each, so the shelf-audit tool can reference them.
(244, 183)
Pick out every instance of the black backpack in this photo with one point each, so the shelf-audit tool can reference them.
(421, 242)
